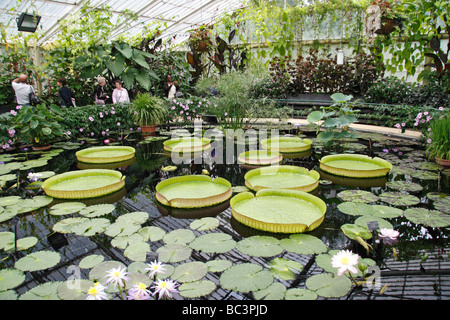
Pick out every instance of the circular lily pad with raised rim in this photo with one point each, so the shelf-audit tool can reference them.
(279, 210)
(282, 177)
(194, 191)
(106, 154)
(355, 165)
(259, 158)
(187, 144)
(286, 144)
(83, 184)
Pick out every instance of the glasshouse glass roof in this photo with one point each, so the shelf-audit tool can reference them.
(176, 16)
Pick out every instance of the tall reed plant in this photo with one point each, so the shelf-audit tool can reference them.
(439, 138)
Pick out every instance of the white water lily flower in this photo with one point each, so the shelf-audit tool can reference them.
(345, 260)
(97, 292)
(139, 292)
(34, 176)
(155, 268)
(165, 288)
(388, 236)
(118, 276)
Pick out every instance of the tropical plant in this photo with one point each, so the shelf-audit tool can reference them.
(335, 119)
(39, 125)
(6, 134)
(148, 110)
(439, 138)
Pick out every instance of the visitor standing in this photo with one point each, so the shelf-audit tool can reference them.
(171, 87)
(66, 95)
(120, 94)
(22, 90)
(99, 95)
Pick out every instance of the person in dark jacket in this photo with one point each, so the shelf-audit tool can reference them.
(100, 96)
(66, 95)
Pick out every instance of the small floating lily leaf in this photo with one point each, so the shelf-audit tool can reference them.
(386, 211)
(64, 208)
(8, 295)
(213, 243)
(151, 233)
(30, 164)
(6, 237)
(22, 244)
(437, 196)
(98, 272)
(45, 291)
(303, 244)
(206, 223)
(246, 277)
(9, 201)
(28, 205)
(284, 269)
(404, 186)
(172, 253)
(67, 225)
(431, 218)
(137, 251)
(355, 208)
(403, 170)
(123, 242)
(425, 175)
(8, 213)
(300, 294)
(10, 278)
(39, 260)
(122, 229)
(360, 196)
(91, 261)
(90, 227)
(364, 220)
(179, 236)
(275, 291)
(399, 199)
(442, 205)
(328, 285)
(189, 272)
(218, 265)
(8, 177)
(71, 290)
(137, 217)
(97, 210)
(427, 166)
(354, 231)
(46, 174)
(196, 289)
(260, 246)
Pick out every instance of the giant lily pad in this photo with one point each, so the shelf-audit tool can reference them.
(355, 166)
(193, 191)
(431, 218)
(187, 145)
(286, 144)
(84, 184)
(399, 199)
(282, 177)
(105, 154)
(278, 210)
(259, 158)
(246, 277)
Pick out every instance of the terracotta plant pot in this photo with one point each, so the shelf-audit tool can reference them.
(148, 129)
(41, 148)
(443, 162)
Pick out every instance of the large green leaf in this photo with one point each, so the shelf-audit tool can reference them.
(246, 277)
(125, 49)
(303, 244)
(140, 59)
(328, 285)
(196, 289)
(213, 243)
(143, 78)
(116, 66)
(189, 272)
(129, 76)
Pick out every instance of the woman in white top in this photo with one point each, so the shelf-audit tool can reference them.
(120, 94)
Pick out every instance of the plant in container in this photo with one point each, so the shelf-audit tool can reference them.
(201, 39)
(39, 125)
(439, 140)
(148, 111)
(391, 17)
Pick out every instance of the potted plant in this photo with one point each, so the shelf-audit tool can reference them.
(148, 111)
(39, 125)
(439, 140)
(390, 17)
(201, 39)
